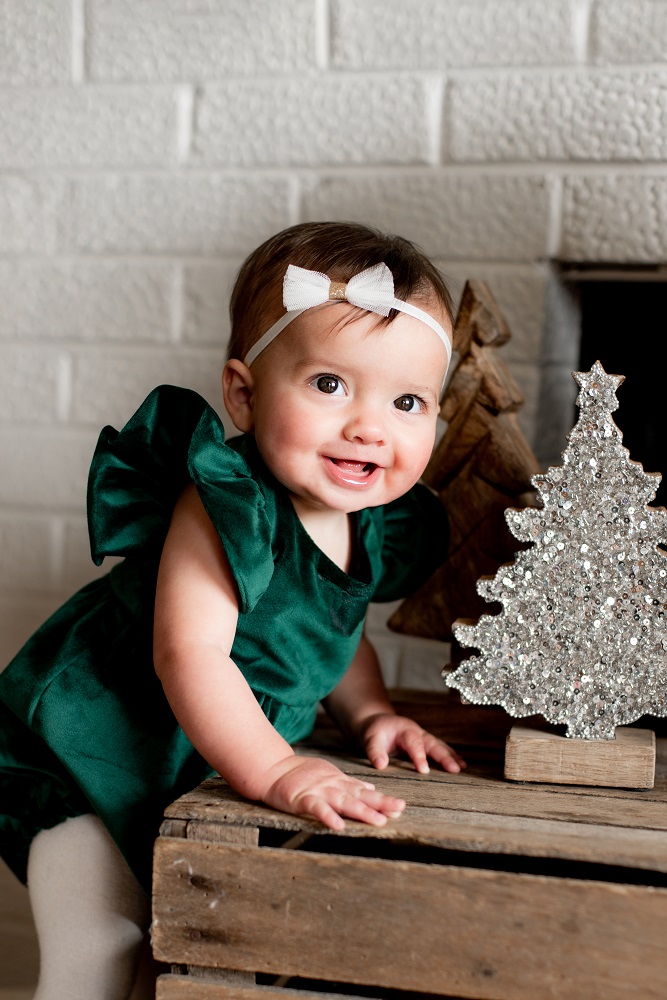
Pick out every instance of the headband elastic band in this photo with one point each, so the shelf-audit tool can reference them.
(372, 289)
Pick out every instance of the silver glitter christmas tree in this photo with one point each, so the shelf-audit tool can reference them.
(582, 638)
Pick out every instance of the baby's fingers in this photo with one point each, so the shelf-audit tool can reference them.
(319, 808)
(373, 808)
(359, 803)
(412, 743)
(447, 758)
(420, 746)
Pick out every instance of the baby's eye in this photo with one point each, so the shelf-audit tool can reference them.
(408, 404)
(330, 384)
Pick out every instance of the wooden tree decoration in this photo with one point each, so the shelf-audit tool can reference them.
(482, 466)
(582, 637)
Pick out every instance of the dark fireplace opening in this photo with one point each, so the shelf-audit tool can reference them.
(624, 327)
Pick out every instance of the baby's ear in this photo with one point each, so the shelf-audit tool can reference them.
(237, 389)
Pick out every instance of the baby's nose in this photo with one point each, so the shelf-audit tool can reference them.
(366, 425)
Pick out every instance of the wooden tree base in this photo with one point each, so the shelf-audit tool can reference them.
(628, 761)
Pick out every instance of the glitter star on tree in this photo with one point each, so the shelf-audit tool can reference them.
(582, 637)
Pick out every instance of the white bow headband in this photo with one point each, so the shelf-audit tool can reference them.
(372, 289)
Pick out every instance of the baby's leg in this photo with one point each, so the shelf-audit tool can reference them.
(90, 912)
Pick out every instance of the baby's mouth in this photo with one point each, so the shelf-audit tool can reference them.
(358, 470)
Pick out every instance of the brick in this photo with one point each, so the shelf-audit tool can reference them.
(196, 213)
(452, 216)
(45, 468)
(179, 40)
(25, 552)
(312, 121)
(35, 41)
(29, 384)
(617, 217)
(87, 126)
(596, 115)
(436, 34)
(206, 291)
(520, 293)
(628, 31)
(86, 301)
(28, 213)
(108, 387)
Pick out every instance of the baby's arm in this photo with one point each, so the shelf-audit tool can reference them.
(360, 704)
(196, 612)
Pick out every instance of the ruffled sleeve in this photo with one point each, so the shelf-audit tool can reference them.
(416, 537)
(138, 473)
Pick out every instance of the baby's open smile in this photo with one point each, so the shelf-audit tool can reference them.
(356, 474)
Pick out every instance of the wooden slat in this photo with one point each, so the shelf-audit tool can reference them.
(184, 988)
(519, 836)
(474, 933)
(492, 833)
(214, 801)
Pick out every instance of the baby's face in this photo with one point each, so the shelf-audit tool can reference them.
(345, 415)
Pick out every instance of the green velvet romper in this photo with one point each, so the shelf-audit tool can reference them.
(84, 724)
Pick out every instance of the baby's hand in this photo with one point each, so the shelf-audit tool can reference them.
(386, 733)
(313, 787)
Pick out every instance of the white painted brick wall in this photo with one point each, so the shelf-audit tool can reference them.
(179, 213)
(439, 34)
(45, 468)
(615, 217)
(32, 378)
(83, 300)
(177, 40)
(331, 120)
(207, 287)
(108, 386)
(35, 41)
(629, 31)
(469, 214)
(520, 292)
(145, 148)
(577, 115)
(81, 127)
(29, 205)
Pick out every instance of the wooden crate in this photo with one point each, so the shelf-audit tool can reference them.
(482, 889)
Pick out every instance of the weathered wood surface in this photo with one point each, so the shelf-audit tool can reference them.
(628, 761)
(482, 466)
(479, 934)
(216, 832)
(479, 818)
(476, 810)
(184, 988)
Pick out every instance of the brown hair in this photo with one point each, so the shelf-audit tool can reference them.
(338, 249)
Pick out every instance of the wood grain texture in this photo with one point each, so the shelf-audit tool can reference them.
(484, 820)
(628, 761)
(479, 934)
(184, 988)
(449, 866)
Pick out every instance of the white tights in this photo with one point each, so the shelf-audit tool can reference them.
(90, 912)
